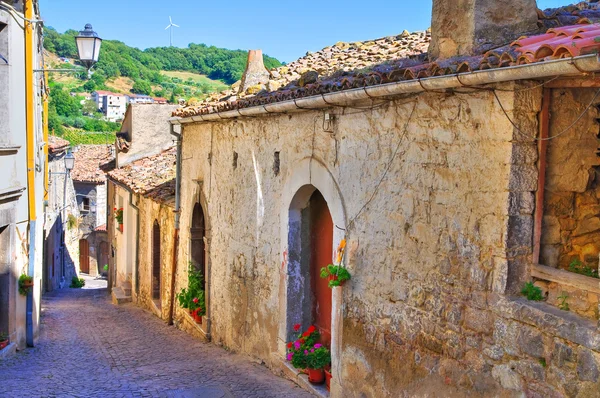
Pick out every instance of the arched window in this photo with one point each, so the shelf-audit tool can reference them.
(197, 235)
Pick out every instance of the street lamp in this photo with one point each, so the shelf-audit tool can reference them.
(88, 46)
(69, 161)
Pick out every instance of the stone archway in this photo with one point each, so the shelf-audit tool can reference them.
(308, 176)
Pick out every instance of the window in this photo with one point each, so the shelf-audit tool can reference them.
(85, 204)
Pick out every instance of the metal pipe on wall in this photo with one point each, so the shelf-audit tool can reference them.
(561, 67)
(177, 221)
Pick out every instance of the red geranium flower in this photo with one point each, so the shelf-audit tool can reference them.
(297, 327)
(306, 334)
(311, 329)
(289, 345)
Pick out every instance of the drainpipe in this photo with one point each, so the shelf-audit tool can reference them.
(177, 219)
(30, 134)
(45, 123)
(560, 67)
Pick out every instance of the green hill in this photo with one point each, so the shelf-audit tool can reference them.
(168, 72)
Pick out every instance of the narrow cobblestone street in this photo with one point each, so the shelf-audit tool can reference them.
(91, 348)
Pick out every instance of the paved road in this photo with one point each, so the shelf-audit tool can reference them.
(90, 348)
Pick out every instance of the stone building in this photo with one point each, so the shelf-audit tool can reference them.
(432, 167)
(90, 187)
(61, 235)
(23, 164)
(145, 190)
(144, 162)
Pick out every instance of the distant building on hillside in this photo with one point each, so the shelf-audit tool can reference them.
(139, 99)
(98, 98)
(114, 106)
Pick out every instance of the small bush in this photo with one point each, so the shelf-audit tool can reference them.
(532, 292)
(579, 268)
(77, 283)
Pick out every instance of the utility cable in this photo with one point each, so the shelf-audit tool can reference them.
(556, 135)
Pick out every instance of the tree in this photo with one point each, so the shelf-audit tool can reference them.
(64, 104)
(141, 87)
(89, 108)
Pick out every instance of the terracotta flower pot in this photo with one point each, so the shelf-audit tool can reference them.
(316, 376)
(3, 344)
(327, 379)
(121, 227)
(197, 318)
(27, 285)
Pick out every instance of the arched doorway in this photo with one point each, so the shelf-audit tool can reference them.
(197, 240)
(310, 243)
(156, 263)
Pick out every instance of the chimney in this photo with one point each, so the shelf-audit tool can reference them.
(468, 27)
(255, 72)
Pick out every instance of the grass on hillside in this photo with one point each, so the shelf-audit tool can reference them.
(80, 137)
(120, 84)
(216, 85)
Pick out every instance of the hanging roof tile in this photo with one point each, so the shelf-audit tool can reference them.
(152, 177)
(88, 159)
(564, 32)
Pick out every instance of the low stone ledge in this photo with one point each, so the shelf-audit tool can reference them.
(548, 319)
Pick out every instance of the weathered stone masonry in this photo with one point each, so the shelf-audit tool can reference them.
(433, 257)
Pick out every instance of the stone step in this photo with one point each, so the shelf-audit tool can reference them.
(119, 296)
(126, 286)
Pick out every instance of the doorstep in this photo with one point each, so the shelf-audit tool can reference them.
(8, 351)
(198, 327)
(302, 380)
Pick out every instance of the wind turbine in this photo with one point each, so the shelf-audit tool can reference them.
(170, 27)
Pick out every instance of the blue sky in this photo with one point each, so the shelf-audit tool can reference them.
(283, 29)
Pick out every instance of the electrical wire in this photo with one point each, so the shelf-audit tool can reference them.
(387, 169)
(16, 15)
(556, 135)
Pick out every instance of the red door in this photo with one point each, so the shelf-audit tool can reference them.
(321, 245)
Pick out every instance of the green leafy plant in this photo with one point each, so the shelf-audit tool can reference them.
(192, 297)
(318, 357)
(297, 350)
(25, 284)
(77, 283)
(3, 336)
(72, 222)
(105, 268)
(563, 305)
(532, 292)
(579, 268)
(119, 215)
(337, 274)
(543, 362)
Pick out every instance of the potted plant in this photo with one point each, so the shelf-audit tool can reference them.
(317, 358)
(25, 284)
(336, 273)
(3, 340)
(192, 298)
(297, 349)
(328, 377)
(119, 217)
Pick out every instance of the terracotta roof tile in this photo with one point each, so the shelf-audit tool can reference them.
(88, 159)
(57, 144)
(565, 32)
(153, 176)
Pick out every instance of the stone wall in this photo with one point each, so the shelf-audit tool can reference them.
(432, 256)
(571, 224)
(151, 211)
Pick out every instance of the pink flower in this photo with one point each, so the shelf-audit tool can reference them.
(318, 345)
(305, 352)
(289, 356)
(297, 345)
(312, 350)
(195, 300)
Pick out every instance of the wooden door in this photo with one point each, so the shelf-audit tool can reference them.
(84, 256)
(103, 256)
(321, 245)
(156, 261)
